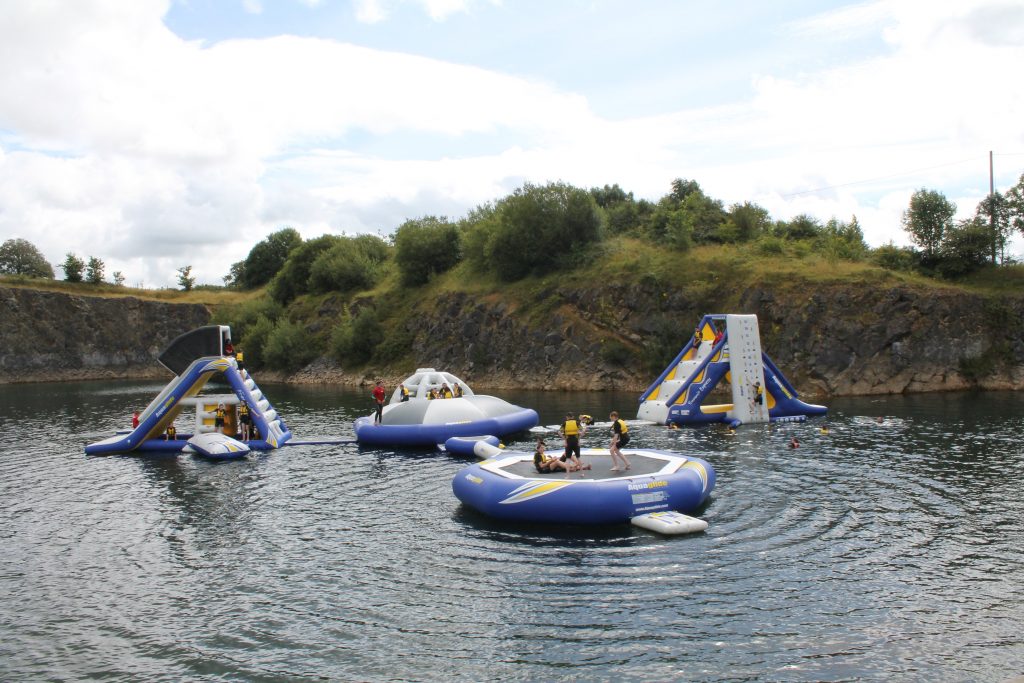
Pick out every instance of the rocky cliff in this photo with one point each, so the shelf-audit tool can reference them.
(828, 340)
(48, 336)
(835, 339)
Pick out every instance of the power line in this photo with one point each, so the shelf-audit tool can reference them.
(874, 180)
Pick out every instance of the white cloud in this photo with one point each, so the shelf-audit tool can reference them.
(121, 140)
(377, 11)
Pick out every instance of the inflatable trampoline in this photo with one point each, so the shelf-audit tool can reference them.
(413, 418)
(507, 486)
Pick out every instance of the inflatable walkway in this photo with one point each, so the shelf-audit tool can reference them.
(183, 392)
(724, 347)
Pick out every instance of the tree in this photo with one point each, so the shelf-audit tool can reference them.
(842, 240)
(21, 257)
(73, 267)
(292, 279)
(424, 247)
(800, 227)
(542, 227)
(94, 270)
(704, 216)
(1015, 201)
(996, 212)
(927, 219)
(118, 278)
(746, 222)
(610, 195)
(185, 278)
(681, 189)
(265, 259)
(966, 248)
(351, 264)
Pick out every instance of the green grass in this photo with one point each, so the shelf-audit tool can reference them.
(204, 295)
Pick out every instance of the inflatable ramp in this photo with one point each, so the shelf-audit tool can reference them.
(183, 393)
(723, 347)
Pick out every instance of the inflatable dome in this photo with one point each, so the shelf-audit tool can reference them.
(414, 417)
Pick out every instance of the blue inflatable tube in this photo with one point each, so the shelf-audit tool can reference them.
(508, 487)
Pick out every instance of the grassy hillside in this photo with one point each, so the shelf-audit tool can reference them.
(706, 278)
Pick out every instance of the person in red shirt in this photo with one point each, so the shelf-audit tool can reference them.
(135, 419)
(378, 397)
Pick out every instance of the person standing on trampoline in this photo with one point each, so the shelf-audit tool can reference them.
(572, 431)
(620, 438)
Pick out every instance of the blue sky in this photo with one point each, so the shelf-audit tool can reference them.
(159, 133)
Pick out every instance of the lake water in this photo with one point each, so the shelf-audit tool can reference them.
(881, 551)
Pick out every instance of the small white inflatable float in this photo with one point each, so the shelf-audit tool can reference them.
(217, 446)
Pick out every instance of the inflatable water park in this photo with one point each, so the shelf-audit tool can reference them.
(653, 494)
(429, 407)
(655, 491)
(725, 349)
(220, 425)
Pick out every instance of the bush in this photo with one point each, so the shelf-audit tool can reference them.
(289, 347)
(255, 340)
(891, 257)
(425, 247)
(839, 240)
(353, 342)
(965, 249)
(244, 315)
(351, 264)
(541, 228)
(769, 245)
(293, 278)
(614, 352)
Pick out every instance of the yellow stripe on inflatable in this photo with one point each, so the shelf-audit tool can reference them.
(701, 472)
(534, 490)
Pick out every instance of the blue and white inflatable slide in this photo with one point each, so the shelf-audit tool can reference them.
(183, 392)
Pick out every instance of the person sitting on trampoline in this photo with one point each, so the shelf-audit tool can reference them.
(543, 463)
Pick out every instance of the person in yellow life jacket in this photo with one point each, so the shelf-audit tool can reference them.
(218, 417)
(446, 391)
(620, 437)
(571, 431)
(544, 464)
(758, 393)
(458, 390)
(404, 391)
(240, 360)
(244, 419)
(172, 433)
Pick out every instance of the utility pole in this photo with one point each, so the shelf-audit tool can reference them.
(992, 207)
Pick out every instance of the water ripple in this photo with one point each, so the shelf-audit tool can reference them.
(883, 550)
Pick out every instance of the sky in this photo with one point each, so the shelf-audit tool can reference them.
(158, 134)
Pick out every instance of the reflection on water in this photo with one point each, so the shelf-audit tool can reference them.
(883, 550)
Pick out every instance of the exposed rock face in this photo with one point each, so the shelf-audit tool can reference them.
(829, 340)
(834, 340)
(56, 336)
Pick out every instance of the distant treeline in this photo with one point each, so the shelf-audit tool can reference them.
(543, 227)
(540, 229)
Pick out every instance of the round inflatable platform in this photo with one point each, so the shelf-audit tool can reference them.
(417, 415)
(509, 487)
